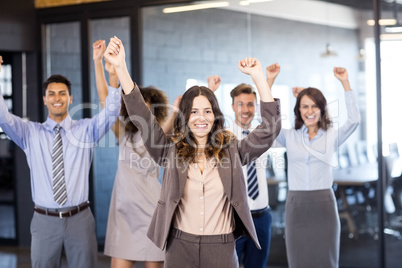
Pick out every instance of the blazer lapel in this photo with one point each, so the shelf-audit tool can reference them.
(225, 172)
(182, 169)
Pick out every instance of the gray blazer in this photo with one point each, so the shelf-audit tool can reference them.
(163, 151)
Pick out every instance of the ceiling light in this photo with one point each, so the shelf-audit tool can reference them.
(393, 29)
(248, 2)
(362, 55)
(195, 7)
(329, 52)
(383, 22)
(391, 36)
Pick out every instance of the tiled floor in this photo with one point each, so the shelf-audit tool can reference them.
(357, 252)
(17, 257)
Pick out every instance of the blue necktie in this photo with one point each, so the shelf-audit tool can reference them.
(252, 181)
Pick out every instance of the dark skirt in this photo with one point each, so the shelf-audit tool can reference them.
(312, 229)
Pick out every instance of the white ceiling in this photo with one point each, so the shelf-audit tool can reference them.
(311, 11)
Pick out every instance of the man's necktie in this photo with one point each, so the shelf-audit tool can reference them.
(252, 181)
(59, 183)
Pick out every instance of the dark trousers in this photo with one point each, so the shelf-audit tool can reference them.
(75, 235)
(186, 250)
(247, 253)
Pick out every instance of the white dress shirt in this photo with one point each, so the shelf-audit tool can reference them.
(310, 162)
(261, 166)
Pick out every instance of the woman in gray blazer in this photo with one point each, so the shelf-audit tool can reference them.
(203, 206)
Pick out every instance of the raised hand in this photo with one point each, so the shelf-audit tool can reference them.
(297, 90)
(98, 48)
(115, 53)
(273, 71)
(214, 82)
(167, 126)
(250, 66)
(176, 104)
(341, 73)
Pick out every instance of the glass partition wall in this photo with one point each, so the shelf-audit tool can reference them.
(391, 40)
(307, 38)
(63, 56)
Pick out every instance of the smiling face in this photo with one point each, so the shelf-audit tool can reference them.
(201, 119)
(309, 111)
(244, 108)
(57, 99)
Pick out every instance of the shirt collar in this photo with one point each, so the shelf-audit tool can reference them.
(238, 130)
(50, 124)
(304, 129)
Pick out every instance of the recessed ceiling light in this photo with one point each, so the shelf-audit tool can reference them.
(195, 7)
(383, 22)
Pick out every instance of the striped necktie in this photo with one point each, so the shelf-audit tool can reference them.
(252, 181)
(59, 183)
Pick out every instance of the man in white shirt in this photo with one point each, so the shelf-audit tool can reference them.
(243, 105)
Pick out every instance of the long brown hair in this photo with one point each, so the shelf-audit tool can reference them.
(315, 95)
(159, 107)
(218, 137)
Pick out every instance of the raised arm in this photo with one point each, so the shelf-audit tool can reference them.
(15, 128)
(353, 119)
(342, 75)
(168, 124)
(262, 137)
(113, 79)
(272, 72)
(118, 127)
(152, 134)
(99, 48)
(296, 91)
(116, 55)
(252, 67)
(214, 82)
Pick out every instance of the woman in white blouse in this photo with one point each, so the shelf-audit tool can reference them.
(312, 221)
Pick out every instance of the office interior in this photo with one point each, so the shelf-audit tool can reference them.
(174, 51)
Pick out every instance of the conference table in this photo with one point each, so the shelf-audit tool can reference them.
(354, 176)
(357, 175)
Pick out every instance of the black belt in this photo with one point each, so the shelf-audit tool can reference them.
(258, 213)
(62, 213)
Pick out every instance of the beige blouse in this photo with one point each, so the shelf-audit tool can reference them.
(203, 208)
